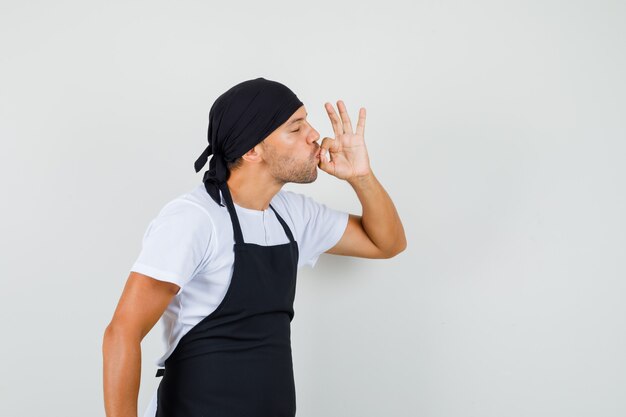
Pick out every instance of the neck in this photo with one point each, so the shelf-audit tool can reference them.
(251, 190)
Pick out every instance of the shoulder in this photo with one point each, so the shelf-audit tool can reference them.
(197, 204)
(179, 240)
(183, 214)
(185, 211)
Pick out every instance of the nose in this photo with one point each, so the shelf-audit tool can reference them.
(314, 135)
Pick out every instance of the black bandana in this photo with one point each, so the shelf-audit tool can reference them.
(238, 120)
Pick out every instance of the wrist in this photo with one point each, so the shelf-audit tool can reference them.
(361, 180)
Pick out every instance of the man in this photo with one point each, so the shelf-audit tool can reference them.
(219, 264)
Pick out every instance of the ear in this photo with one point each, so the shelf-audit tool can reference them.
(254, 154)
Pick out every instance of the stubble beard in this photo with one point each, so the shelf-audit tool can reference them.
(286, 169)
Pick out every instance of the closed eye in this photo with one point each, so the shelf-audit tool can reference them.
(297, 130)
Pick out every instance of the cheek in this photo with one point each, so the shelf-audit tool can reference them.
(289, 140)
(293, 146)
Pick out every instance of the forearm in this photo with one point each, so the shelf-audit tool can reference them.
(122, 373)
(379, 218)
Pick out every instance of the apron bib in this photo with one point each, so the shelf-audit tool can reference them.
(236, 362)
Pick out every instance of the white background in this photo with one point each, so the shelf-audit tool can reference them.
(497, 127)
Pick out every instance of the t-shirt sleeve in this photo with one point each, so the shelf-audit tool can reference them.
(176, 243)
(318, 227)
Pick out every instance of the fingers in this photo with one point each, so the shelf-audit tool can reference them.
(360, 125)
(327, 146)
(334, 119)
(325, 163)
(343, 112)
(343, 124)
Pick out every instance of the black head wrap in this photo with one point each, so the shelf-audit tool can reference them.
(238, 120)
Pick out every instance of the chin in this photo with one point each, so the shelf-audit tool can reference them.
(305, 176)
(307, 180)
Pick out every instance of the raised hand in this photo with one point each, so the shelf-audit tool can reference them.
(348, 155)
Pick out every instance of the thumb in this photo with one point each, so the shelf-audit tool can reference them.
(325, 163)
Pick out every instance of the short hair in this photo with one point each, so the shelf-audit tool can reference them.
(234, 164)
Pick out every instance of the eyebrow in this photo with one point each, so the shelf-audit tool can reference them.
(296, 120)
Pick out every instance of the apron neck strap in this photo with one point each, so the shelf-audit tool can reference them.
(235, 220)
(283, 224)
(232, 212)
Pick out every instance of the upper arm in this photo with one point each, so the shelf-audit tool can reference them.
(143, 301)
(356, 242)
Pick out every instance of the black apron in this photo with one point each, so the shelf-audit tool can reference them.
(236, 362)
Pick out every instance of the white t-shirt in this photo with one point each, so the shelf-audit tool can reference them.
(190, 243)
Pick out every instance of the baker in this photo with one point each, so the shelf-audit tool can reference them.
(218, 264)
